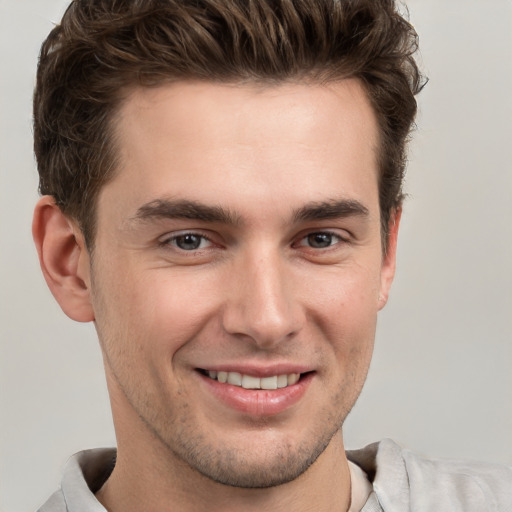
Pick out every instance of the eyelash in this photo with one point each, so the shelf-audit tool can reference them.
(172, 241)
(340, 239)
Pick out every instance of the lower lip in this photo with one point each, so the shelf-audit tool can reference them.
(258, 402)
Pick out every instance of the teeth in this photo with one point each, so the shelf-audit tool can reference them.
(235, 378)
(282, 381)
(269, 383)
(250, 382)
(293, 379)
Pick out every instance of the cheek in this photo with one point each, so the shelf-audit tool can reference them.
(346, 297)
(154, 312)
(178, 303)
(344, 311)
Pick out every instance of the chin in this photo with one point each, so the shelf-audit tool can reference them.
(256, 466)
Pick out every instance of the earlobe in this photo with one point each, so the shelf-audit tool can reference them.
(389, 258)
(64, 259)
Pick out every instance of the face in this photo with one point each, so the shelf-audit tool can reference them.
(237, 273)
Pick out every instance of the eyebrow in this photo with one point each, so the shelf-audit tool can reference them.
(334, 209)
(185, 209)
(193, 210)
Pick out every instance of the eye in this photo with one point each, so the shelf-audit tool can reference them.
(320, 240)
(188, 242)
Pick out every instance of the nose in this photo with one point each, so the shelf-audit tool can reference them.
(263, 302)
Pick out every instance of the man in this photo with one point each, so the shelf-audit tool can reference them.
(222, 196)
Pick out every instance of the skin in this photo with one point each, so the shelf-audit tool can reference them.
(280, 187)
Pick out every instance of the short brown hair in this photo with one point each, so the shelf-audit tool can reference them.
(103, 47)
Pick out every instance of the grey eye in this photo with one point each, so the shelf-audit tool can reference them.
(320, 240)
(188, 242)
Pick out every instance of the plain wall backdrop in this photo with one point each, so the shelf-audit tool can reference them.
(441, 379)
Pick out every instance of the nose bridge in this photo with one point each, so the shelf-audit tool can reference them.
(263, 304)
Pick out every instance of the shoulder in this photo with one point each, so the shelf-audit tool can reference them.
(489, 485)
(404, 480)
(84, 473)
(55, 503)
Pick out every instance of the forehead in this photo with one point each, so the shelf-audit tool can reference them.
(242, 143)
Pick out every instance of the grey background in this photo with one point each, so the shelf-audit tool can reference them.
(440, 381)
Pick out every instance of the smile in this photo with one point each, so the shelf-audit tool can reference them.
(251, 382)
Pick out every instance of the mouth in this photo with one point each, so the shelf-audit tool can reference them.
(257, 393)
(251, 382)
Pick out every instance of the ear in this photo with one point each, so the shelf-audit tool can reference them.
(63, 258)
(389, 258)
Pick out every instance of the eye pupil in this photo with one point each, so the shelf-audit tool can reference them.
(188, 242)
(320, 240)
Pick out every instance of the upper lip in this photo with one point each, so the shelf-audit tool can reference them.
(258, 370)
